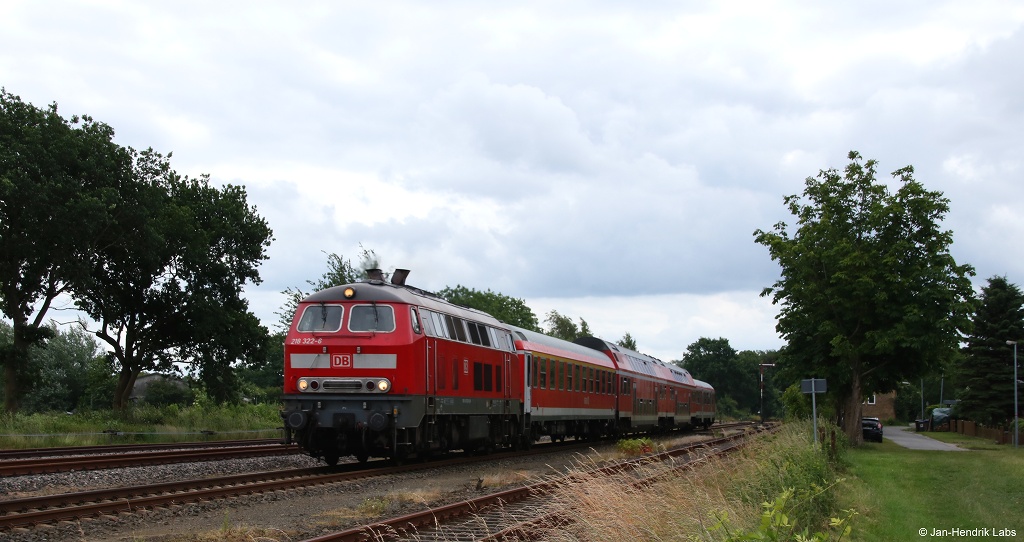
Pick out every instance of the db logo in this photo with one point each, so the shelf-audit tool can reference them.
(343, 361)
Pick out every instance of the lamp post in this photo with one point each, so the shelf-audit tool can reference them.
(1016, 421)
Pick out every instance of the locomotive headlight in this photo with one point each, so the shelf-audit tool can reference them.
(303, 384)
(383, 385)
(350, 292)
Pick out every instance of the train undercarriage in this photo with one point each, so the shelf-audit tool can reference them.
(401, 431)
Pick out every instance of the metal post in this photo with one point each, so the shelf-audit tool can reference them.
(814, 410)
(1016, 419)
(922, 398)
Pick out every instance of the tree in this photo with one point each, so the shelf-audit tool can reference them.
(339, 271)
(564, 328)
(168, 280)
(59, 187)
(986, 369)
(508, 309)
(869, 293)
(627, 341)
(718, 363)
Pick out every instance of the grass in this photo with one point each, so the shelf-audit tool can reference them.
(140, 423)
(898, 491)
(724, 499)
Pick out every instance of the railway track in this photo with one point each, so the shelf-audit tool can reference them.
(522, 513)
(110, 459)
(25, 453)
(32, 511)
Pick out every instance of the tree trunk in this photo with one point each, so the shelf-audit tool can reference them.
(125, 383)
(852, 411)
(10, 383)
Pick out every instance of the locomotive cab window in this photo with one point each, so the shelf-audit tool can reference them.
(414, 318)
(377, 318)
(321, 318)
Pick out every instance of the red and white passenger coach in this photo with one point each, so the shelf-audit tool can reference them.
(389, 370)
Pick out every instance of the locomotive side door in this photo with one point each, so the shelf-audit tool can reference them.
(506, 382)
(527, 376)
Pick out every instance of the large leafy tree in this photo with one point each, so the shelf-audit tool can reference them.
(60, 182)
(508, 309)
(171, 290)
(869, 293)
(986, 368)
(734, 377)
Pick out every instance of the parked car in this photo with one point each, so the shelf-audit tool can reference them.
(872, 429)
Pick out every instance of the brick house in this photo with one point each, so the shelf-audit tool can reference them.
(881, 406)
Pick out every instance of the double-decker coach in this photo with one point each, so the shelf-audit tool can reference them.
(569, 388)
(653, 394)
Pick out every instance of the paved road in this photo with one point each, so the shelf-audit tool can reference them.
(906, 437)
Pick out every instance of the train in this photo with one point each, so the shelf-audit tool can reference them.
(380, 368)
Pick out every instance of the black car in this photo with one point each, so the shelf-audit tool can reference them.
(872, 429)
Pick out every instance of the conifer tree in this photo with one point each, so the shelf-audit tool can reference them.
(986, 369)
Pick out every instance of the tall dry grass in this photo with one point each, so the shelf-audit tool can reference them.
(686, 505)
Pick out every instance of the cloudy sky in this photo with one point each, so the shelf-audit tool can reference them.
(610, 160)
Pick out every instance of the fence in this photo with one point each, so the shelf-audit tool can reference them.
(971, 429)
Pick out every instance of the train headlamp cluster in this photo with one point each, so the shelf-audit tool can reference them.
(343, 385)
(350, 292)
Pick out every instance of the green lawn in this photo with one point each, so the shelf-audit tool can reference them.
(899, 492)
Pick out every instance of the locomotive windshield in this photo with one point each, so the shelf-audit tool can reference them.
(321, 318)
(379, 318)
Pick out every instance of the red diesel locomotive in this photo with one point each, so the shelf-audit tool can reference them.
(388, 370)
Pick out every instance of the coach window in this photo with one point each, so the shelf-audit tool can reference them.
(321, 318)
(376, 318)
(543, 373)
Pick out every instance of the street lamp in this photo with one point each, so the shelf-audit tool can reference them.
(1016, 421)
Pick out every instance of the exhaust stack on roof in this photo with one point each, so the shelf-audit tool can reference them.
(399, 276)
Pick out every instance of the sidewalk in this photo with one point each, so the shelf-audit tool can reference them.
(906, 437)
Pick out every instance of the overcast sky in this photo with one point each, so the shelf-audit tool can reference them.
(610, 160)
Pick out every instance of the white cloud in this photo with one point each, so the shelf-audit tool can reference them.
(550, 151)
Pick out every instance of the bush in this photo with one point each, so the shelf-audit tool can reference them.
(168, 392)
(635, 446)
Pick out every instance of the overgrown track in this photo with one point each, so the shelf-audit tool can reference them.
(44, 462)
(523, 513)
